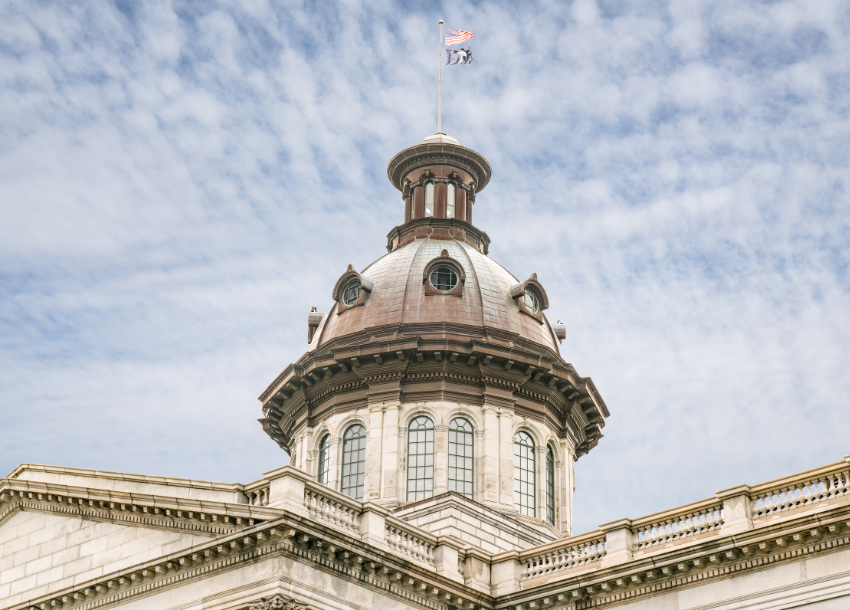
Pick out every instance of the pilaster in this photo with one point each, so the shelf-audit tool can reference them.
(491, 450)
(506, 458)
(374, 453)
(390, 485)
(441, 451)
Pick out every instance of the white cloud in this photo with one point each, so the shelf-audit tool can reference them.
(180, 183)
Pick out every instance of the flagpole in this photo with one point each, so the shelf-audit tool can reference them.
(440, 90)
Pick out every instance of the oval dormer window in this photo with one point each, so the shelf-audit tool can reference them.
(530, 300)
(351, 292)
(443, 278)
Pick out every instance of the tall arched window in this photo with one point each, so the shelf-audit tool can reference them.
(429, 199)
(550, 485)
(411, 203)
(450, 200)
(524, 469)
(420, 459)
(354, 461)
(460, 457)
(324, 459)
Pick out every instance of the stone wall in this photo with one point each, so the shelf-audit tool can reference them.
(41, 553)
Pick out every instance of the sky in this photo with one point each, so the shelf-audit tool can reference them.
(180, 182)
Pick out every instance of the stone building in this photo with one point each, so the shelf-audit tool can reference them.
(432, 427)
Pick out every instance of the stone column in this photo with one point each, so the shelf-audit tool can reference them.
(491, 455)
(478, 463)
(506, 458)
(402, 463)
(564, 485)
(441, 464)
(374, 454)
(540, 465)
(335, 463)
(391, 456)
(307, 452)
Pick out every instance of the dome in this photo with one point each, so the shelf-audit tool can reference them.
(399, 304)
(440, 138)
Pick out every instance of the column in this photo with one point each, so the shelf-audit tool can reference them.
(335, 463)
(402, 463)
(391, 456)
(478, 462)
(564, 486)
(506, 458)
(374, 454)
(490, 455)
(540, 466)
(441, 464)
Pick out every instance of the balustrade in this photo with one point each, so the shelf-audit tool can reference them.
(582, 553)
(803, 492)
(675, 527)
(329, 510)
(401, 539)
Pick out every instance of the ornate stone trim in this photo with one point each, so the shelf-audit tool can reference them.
(444, 260)
(366, 286)
(278, 602)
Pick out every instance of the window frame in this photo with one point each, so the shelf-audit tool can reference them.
(468, 481)
(525, 503)
(323, 466)
(430, 189)
(420, 441)
(345, 479)
(443, 260)
(451, 199)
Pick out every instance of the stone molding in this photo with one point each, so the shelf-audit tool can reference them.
(278, 602)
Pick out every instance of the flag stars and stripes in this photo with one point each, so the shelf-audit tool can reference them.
(457, 36)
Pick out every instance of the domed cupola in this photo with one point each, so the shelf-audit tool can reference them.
(436, 376)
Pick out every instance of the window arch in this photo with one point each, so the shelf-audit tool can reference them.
(524, 469)
(420, 459)
(324, 460)
(429, 199)
(550, 485)
(354, 461)
(461, 446)
(450, 200)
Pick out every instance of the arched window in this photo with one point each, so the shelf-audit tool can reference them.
(524, 469)
(429, 199)
(420, 459)
(460, 457)
(324, 459)
(411, 204)
(450, 200)
(354, 461)
(550, 485)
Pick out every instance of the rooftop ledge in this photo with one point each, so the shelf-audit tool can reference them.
(738, 528)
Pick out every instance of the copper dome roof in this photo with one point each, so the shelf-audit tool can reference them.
(398, 303)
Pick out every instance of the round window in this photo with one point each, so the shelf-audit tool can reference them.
(351, 292)
(443, 278)
(530, 300)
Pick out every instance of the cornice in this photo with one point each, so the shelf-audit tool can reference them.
(147, 510)
(684, 567)
(324, 548)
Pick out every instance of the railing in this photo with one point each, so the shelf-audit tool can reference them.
(802, 490)
(323, 506)
(258, 496)
(579, 552)
(411, 541)
(689, 522)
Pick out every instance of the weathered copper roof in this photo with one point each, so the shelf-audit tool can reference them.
(398, 298)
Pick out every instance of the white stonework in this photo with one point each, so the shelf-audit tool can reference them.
(79, 539)
(495, 427)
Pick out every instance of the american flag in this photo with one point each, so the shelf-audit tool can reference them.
(457, 36)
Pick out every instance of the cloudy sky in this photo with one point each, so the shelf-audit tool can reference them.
(180, 182)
